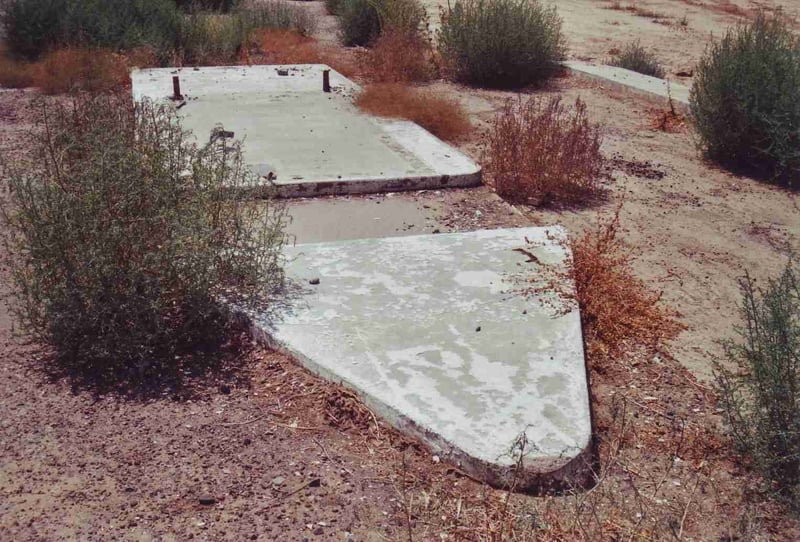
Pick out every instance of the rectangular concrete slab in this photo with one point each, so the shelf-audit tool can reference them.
(306, 141)
(631, 81)
(434, 333)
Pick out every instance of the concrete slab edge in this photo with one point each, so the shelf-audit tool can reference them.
(680, 93)
(371, 186)
(543, 475)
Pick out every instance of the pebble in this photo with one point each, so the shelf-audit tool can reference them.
(207, 500)
(314, 281)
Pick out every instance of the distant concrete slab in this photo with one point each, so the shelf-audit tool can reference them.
(632, 81)
(434, 334)
(311, 142)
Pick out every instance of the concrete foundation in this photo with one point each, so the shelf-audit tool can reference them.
(305, 141)
(631, 81)
(434, 333)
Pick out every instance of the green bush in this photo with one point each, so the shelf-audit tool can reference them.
(762, 398)
(501, 43)
(746, 100)
(33, 27)
(123, 236)
(636, 58)
(362, 21)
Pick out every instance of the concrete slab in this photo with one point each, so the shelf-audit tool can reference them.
(307, 141)
(433, 332)
(631, 81)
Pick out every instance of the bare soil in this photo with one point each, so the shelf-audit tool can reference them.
(257, 448)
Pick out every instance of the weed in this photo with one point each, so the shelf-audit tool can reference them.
(543, 153)
(501, 43)
(400, 57)
(442, 116)
(636, 58)
(762, 399)
(746, 100)
(617, 309)
(289, 47)
(70, 70)
(122, 238)
(15, 73)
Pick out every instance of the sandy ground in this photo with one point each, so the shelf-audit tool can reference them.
(255, 448)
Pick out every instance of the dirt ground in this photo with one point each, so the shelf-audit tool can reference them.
(253, 447)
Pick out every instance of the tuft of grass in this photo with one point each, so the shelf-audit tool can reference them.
(501, 43)
(123, 240)
(442, 116)
(542, 153)
(399, 56)
(745, 100)
(636, 58)
(762, 398)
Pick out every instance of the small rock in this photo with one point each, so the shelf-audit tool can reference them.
(478, 328)
(318, 531)
(314, 281)
(525, 311)
(315, 483)
(437, 230)
(224, 388)
(247, 442)
(207, 500)
(278, 480)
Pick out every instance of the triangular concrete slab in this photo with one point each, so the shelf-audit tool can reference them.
(433, 332)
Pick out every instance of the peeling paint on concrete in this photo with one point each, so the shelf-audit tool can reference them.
(433, 333)
(310, 142)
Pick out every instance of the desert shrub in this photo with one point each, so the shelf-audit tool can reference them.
(359, 21)
(334, 7)
(746, 99)
(222, 6)
(398, 56)
(207, 37)
(289, 47)
(619, 311)
(544, 153)
(33, 27)
(636, 58)
(69, 70)
(123, 236)
(501, 43)
(362, 21)
(761, 396)
(440, 115)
